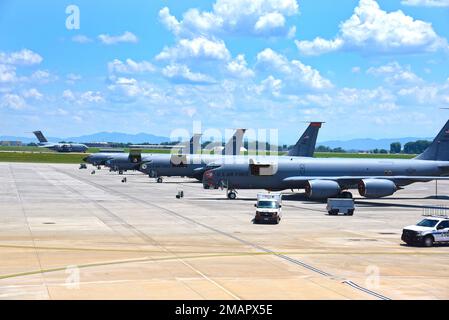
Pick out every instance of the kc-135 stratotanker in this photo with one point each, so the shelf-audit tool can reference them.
(332, 177)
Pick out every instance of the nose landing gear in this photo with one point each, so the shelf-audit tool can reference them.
(232, 194)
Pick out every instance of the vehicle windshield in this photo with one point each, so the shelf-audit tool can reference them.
(428, 223)
(267, 204)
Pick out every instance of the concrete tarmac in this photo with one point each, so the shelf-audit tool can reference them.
(68, 234)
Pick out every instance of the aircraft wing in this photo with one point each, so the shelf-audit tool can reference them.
(358, 178)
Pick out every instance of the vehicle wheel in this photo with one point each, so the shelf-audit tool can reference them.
(159, 180)
(346, 195)
(120, 172)
(278, 220)
(333, 212)
(428, 241)
(350, 212)
(232, 195)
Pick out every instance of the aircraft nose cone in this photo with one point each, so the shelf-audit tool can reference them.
(86, 159)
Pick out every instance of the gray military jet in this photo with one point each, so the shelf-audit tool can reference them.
(195, 165)
(326, 178)
(59, 147)
(119, 161)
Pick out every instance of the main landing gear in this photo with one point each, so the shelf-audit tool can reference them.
(232, 194)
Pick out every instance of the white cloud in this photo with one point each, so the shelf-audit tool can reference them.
(318, 46)
(91, 96)
(373, 30)
(68, 95)
(426, 3)
(81, 39)
(260, 18)
(181, 73)
(395, 74)
(7, 73)
(295, 71)
(270, 85)
(71, 78)
(238, 67)
(33, 93)
(197, 48)
(22, 57)
(130, 66)
(127, 37)
(12, 101)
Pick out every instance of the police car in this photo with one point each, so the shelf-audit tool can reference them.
(430, 230)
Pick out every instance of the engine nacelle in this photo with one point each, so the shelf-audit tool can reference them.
(322, 189)
(376, 188)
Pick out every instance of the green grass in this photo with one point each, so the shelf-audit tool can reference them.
(41, 157)
(55, 157)
(363, 155)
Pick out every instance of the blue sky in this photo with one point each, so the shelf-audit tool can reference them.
(366, 68)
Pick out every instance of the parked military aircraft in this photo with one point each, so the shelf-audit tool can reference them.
(127, 161)
(59, 147)
(175, 164)
(195, 165)
(325, 178)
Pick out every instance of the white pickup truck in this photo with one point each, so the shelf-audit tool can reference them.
(268, 207)
(430, 230)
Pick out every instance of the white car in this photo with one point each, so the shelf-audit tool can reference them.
(430, 230)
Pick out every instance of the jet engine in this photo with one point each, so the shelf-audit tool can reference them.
(322, 189)
(376, 188)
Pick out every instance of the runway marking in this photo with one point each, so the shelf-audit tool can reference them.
(173, 213)
(28, 226)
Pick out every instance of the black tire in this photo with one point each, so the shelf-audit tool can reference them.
(428, 241)
(350, 212)
(277, 220)
(232, 195)
(159, 180)
(346, 195)
(333, 212)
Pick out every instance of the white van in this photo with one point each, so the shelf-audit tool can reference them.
(268, 208)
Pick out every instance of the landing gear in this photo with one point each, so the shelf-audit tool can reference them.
(232, 195)
(99, 167)
(120, 172)
(159, 180)
(346, 195)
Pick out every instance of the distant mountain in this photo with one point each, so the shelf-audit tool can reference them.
(98, 137)
(367, 144)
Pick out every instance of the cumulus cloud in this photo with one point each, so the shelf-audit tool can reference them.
(130, 66)
(12, 101)
(81, 39)
(197, 48)
(33, 93)
(426, 3)
(373, 30)
(238, 67)
(181, 73)
(22, 57)
(270, 85)
(395, 74)
(92, 96)
(295, 71)
(127, 37)
(249, 17)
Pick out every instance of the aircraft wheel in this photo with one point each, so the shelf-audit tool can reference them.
(159, 180)
(232, 195)
(120, 172)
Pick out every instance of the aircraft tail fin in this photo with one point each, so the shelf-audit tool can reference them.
(40, 136)
(439, 148)
(305, 147)
(235, 143)
(194, 145)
